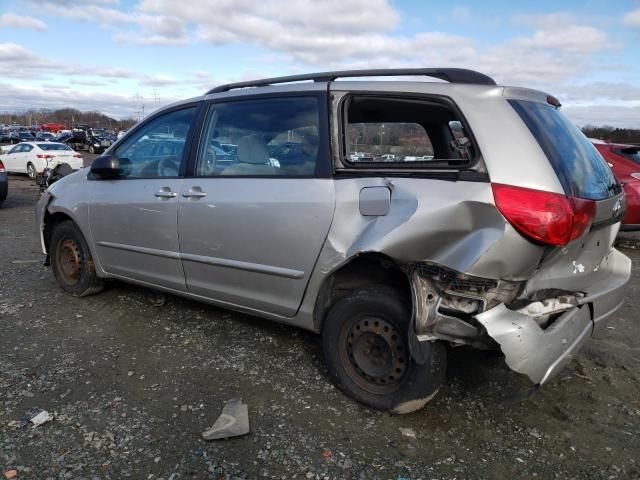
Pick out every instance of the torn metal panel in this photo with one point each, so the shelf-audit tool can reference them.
(444, 302)
(536, 352)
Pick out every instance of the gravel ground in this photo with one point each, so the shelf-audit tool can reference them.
(132, 377)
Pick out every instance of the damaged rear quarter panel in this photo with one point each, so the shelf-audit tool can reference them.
(429, 222)
(451, 223)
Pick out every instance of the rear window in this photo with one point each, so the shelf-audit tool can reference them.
(53, 146)
(403, 132)
(579, 167)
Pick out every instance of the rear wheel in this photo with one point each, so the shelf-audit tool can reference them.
(31, 171)
(71, 261)
(92, 149)
(365, 343)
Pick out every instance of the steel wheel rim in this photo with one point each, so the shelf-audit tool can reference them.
(374, 354)
(69, 261)
(31, 171)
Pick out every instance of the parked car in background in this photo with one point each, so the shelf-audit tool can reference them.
(96, 142)
(5, 136)
(21, 136)
(4, 183)
(31, 157)
(499, 234)
(624, 160)
(45, 137)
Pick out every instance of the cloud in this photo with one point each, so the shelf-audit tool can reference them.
(21, 63)
(16, 99)
(90, 83)
(562, 31)
(632, 19)
(11, 20)
(158, 80)
(570, 39)
(598, 92)
(600, 115)
(153, 29)
(142, 39)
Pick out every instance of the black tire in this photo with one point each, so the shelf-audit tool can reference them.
(365, 344)
(71, 261)
(31, 171)
(92, 150)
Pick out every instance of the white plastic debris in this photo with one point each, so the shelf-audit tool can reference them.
(40, 418)
(233, 422)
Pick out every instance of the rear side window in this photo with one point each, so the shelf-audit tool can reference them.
(53, 146)
(632, 153)
(401, 132)
(579, 167)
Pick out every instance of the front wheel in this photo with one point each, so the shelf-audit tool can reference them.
(71, 261)
(31, 171)
(92, 150)
(365, 343)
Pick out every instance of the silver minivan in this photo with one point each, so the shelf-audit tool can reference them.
(479, 216)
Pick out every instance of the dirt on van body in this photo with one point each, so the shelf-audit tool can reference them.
(132, 378)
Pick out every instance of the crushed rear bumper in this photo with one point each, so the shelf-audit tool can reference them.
(540, 353)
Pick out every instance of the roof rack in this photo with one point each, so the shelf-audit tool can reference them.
(451, 75)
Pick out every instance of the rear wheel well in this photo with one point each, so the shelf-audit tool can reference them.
(364, 270)
(50, 221)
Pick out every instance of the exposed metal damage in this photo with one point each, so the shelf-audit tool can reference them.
(445, 303)
(538, 336)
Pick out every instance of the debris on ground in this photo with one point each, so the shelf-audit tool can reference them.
(158, 300)
(233, 422)
(408, 432)
(9, 474)
(23, 262)
(36, 416)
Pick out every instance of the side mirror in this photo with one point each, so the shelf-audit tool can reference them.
(108, 166)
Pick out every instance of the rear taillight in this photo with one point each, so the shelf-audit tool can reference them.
(77, 156)
(45, 156)
(2, 169)
(545, 217)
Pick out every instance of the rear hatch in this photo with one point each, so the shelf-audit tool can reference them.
(591, 190)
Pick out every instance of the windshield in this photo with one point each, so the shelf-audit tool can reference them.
(53, 146)
(579, 167)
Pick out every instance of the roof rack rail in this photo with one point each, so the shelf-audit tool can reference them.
(451, 75)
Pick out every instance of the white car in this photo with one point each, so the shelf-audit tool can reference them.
(33, 157)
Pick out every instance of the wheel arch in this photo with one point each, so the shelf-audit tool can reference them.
(362, 270)
(54, 215)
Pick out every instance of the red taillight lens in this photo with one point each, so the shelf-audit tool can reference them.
(545, 217)
(44, 156)
(584, 212)
(2, 170)
(77, 156)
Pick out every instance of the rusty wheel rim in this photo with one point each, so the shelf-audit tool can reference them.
(69, 261)
(375, 354)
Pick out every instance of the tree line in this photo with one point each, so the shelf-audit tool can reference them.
(613, 134)
(67, 117)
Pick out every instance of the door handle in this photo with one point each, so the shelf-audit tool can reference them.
(165, 194)
(194, 192)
